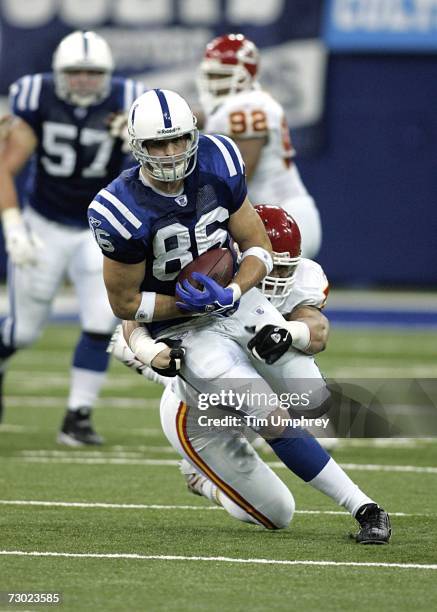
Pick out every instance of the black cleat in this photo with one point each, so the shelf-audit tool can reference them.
(375, 525)
(77, 429)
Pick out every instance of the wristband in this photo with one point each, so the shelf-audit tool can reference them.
(236, 290)
(144, 314)
(11, 216)
(261, 254)
(300, 334)
(143, 346)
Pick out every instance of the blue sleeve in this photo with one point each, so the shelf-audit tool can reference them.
(24, 99)
(230, 166)
(116, 229)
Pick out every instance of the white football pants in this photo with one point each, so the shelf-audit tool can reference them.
(252, 491)
(67, 252)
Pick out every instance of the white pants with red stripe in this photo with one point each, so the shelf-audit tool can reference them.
(249, 489)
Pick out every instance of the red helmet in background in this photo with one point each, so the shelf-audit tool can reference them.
(284, 235)
(229, 65)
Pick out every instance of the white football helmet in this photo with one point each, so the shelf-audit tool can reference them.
(88, 52)
(161, 114)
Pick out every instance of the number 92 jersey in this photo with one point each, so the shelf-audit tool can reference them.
(255, 114)
(76, 155)
(132, 222)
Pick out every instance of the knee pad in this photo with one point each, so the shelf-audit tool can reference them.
(281, 509)
(278, 510)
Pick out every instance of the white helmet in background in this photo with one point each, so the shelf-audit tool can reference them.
(82, 66)
(161, 114)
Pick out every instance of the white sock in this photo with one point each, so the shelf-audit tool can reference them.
(84, 388)
(209, 490)
(335, 483)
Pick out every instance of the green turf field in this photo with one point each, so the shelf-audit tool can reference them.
(156, 547)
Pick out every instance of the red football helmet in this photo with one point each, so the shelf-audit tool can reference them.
(230, 65)
(284, 235)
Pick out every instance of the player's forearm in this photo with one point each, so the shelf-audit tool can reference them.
(254, 266)
(165, 308)
(144, 307)
(251, 272)
(318, 326)
(8, 192)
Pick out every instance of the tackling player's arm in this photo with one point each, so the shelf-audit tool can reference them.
(247, 229)
(317, 323)
(157, 355)
(123, 282)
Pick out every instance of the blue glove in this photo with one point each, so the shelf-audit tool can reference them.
(212, 299)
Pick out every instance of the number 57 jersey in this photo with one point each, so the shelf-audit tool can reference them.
(75, 155)
(132, 222)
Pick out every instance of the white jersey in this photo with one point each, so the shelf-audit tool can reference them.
(310, 287)
(252, 114)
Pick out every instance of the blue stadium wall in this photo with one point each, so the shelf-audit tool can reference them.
(376, 178)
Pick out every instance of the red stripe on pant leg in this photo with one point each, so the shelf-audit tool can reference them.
(181, 428)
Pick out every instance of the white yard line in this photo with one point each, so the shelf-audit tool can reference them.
(94, 461)
(70, 458)
(45, 401)
(355, 372)
(83, 454)
(113, 506)
(17, 429)
(321, 563)
(32, 379)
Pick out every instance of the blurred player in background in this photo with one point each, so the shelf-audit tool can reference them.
(298, 287)
(64, 120)
(235, 105)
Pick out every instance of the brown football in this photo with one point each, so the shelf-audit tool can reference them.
(217, 264)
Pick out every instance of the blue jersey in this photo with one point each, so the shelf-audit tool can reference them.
(134, 223)
(75, 156)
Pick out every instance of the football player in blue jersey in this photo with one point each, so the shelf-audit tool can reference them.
(62, 121)
(188, 195)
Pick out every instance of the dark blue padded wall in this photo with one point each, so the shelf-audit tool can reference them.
(376, 179)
